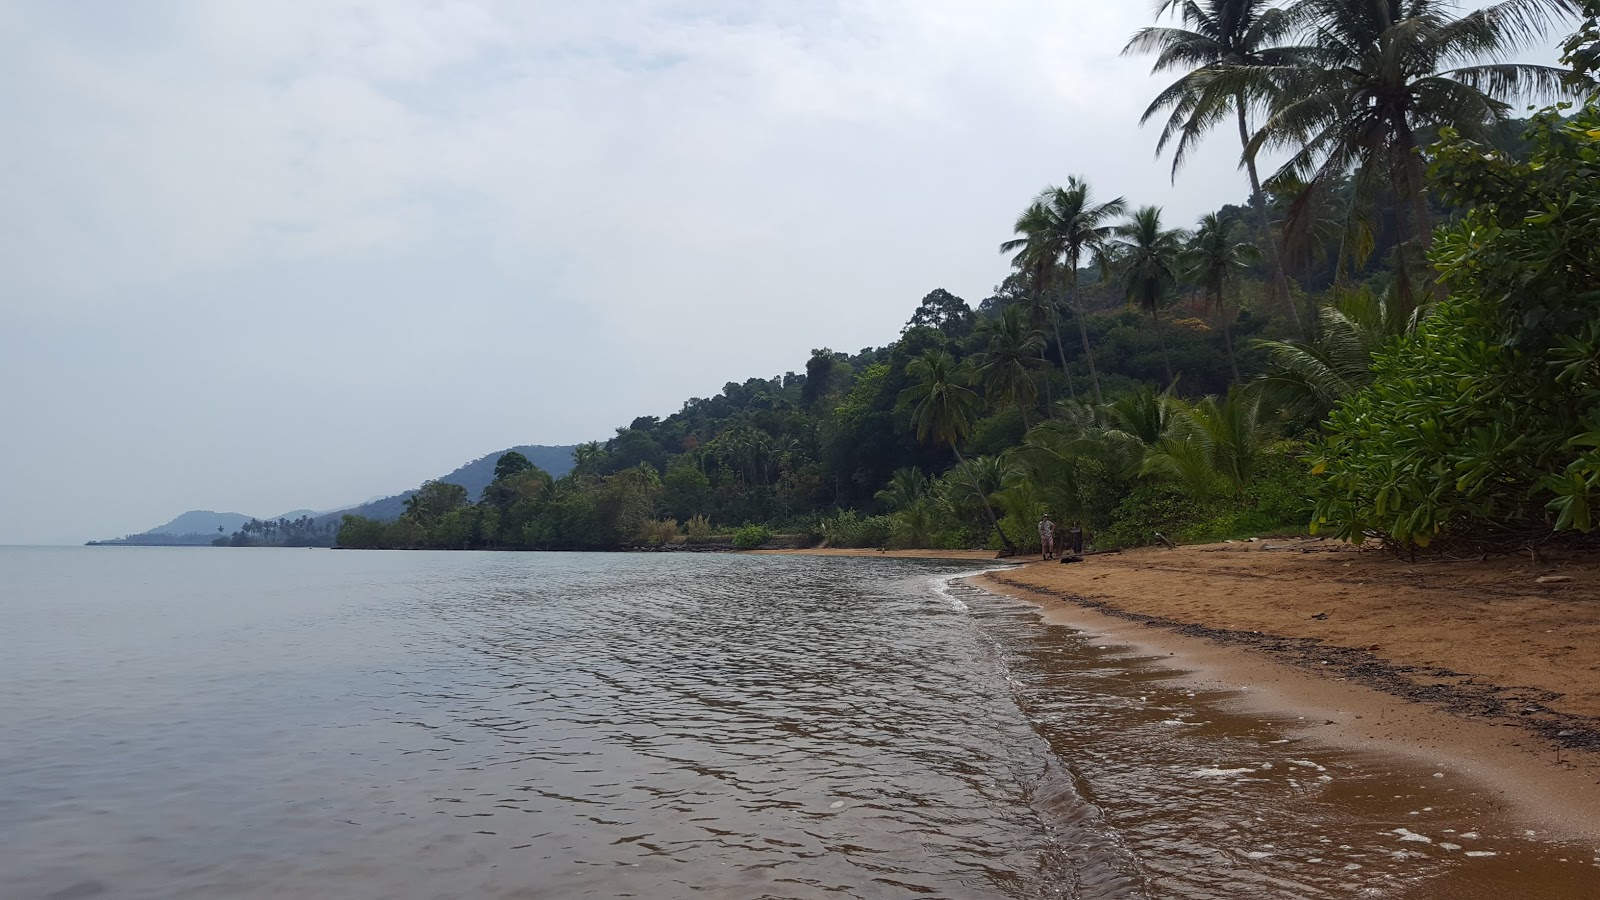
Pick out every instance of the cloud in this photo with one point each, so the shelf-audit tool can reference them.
(342, 245)
(256, 132)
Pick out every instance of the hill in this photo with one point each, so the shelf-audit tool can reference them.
(474, 476)
(200, 526)
(202, 521)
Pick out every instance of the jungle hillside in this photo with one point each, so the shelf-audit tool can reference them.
(1394, 337)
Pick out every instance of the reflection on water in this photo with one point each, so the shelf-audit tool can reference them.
(250, 723)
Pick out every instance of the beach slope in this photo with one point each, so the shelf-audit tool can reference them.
(1492, 666)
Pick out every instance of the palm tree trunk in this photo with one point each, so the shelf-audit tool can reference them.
(1083, 334)
(1011, 548)
(1421, 216)
(1049, 399)
(1258, 200)
(1061, 347)
(1227, 340)
(1161, 339)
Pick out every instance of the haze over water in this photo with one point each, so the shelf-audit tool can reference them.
(257, 723)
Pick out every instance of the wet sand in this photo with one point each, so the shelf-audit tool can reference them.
(1474, 667)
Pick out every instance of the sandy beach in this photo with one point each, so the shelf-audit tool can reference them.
(1486, 669)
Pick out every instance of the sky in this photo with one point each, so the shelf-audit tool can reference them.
(259, 256)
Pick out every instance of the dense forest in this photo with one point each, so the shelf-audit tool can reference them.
(1395, 337)
(303, 531)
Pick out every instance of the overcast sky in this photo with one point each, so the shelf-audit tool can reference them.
(299, 253)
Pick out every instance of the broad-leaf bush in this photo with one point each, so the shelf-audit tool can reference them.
(1484, 425)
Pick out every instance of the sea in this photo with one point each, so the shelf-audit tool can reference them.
(274, 723)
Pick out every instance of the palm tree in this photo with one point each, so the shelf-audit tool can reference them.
(942, 409)
(1244, 39)
(1215, 260)
(1005, 365)
(1042, 269)
(1309, 377)
(586, 458)
(1148, 256)
(1057, 230)
(1381, 73)
(906, 487)
(1215, 443)
(1042, 310)
(1143, 414)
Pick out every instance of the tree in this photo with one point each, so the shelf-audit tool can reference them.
(1212, 442)
(944, 311)
(942, 409)
(687, 489)
(360, 533)
(587, 459)
(1057, 229)
(1147, 255)
(509, 464)
(819, 377)
(1309, 377)
(1376, 78)
(906, 488)
(435, 500)
(1582, 51)
(1216, 259)
(1005, 365)
(1241, 38)
(1484, 424)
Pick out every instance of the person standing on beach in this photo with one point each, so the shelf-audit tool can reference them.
(1075, 533)
(1047, 537)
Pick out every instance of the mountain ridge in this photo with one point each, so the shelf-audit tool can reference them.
(200, 526)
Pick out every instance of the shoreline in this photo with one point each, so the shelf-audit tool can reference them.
(1476, 669)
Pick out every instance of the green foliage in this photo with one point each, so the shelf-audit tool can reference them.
(850, 529)
(1056, 233)
(1375, 82)
(1310, 376)
(1211, 445)
(944, 311)
(751, 537)
(1481, 425)
(1009, 358)
(360, 533)
(435, 500)
(510, 464)
(1480, 420)
(1276, 501)
(1581, 51)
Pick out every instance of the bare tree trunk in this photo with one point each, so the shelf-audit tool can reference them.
(1055, 322)
(1083, 334)
(1011, 548)
(1258, 201)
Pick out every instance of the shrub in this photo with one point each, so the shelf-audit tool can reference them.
(1483, 425)
(1277, 501)
(849, 529)
(751, 537)
(698, 527)
(655, 533)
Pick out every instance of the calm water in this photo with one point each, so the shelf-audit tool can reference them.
(207, 723)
